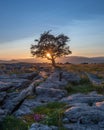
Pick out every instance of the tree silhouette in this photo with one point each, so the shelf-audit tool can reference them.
(50, 46)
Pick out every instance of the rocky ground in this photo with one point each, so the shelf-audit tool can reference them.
(82, 112)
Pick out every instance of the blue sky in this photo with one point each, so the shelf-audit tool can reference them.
(21, 21)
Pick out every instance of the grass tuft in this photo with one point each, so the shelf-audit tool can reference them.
(53, 113)
(12, 123)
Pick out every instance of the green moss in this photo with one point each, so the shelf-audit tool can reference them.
(12, 123)
(85, 88)
(54, 118)
(55, 105)
(53, 113)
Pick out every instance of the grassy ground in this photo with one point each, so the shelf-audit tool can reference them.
(50, 114)
(93, 68)
(85, 85)
(12, 123)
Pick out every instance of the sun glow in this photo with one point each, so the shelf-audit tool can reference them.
(48, 55)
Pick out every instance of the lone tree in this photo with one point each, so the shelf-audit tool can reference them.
(50, 46)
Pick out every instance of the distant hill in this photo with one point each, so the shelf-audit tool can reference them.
(70, 59)
(78, 60)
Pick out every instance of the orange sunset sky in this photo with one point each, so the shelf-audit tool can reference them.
(22, 21)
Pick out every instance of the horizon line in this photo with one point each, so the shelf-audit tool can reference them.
(4, 59)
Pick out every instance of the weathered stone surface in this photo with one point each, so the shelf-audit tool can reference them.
(31, 103)
(10, 106)
(23, 110)
(29, 76)
(5, 86)
(71, 77)
(95, 80)
(1, 72)
(9, 99)
(4, 76)
(51, 92)
(84, 115)
(82, 98)
(84, 111)
(82, 127)
(2, 114)
(37, 126)
(53, 84)
(20, 83)
(100, 105)
(2, 96)
(101, 124)
(53, 88)
(67, 76)
(16, 83)
(26, 107)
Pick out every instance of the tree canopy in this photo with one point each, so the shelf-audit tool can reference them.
(50, 46)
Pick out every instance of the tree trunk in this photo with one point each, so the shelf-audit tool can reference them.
(53, 62)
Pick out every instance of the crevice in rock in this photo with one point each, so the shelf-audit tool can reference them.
(90, 103)
(17, 106)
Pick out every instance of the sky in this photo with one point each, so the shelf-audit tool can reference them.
(22, 21)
